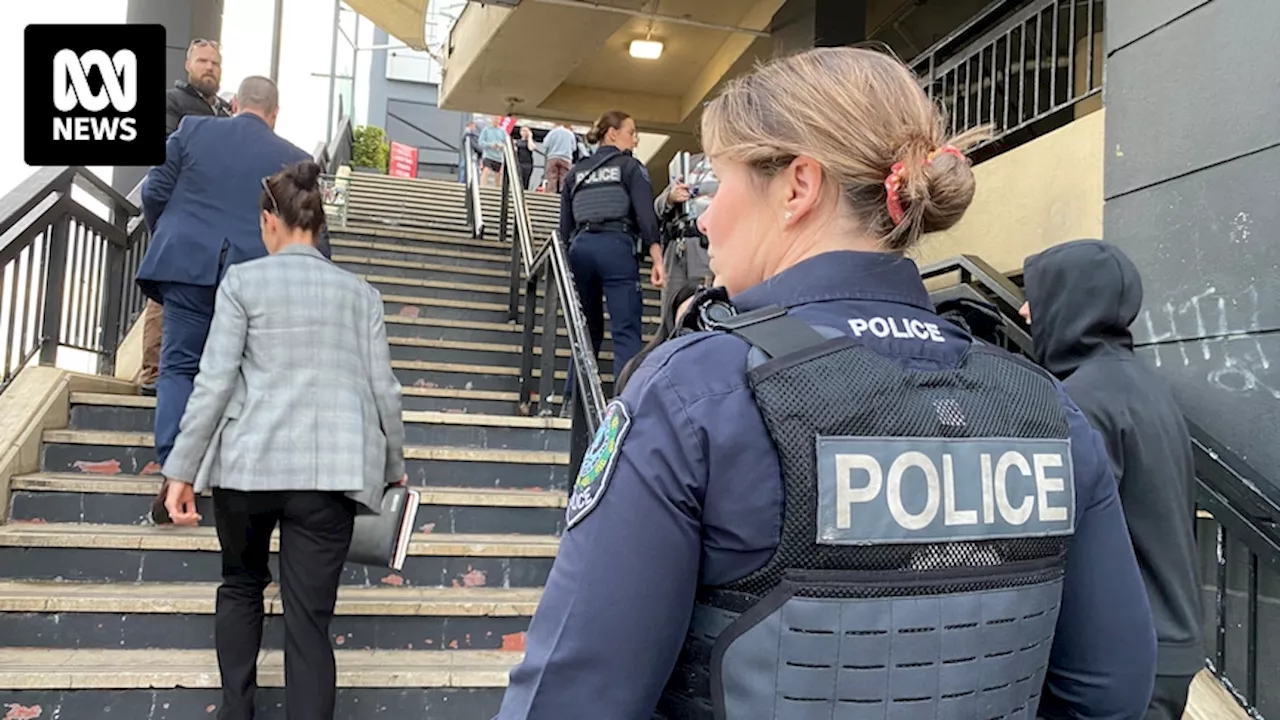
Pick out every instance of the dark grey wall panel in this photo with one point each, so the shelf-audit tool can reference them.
(1191, 182)
(1230, 393)
(1208, 245)
(413, 119)
(1128, 20)
(1199, 91)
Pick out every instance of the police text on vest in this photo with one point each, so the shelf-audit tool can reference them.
(601, 175)
(918, 490)
(904, 328)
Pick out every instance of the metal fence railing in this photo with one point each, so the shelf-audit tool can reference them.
(548, 267)
(1010, 70)
(66, 273)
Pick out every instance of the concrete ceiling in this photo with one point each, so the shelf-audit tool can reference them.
(406, 20)
(572, 63)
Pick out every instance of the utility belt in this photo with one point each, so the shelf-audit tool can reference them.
(624, 227)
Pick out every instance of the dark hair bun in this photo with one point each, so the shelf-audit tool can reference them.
(295, 196)
(305, 175)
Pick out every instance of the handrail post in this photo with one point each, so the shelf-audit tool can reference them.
(526, 347)
(56, 274)
(547, 385)
(113, 296)
(579, 437)
(513, 298)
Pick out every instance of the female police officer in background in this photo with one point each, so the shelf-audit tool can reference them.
(836, 505)
(606, 213)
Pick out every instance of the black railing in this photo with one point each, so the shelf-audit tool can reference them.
(1011, 69)
(1240, 505)
(66, 273)
(548, 267)
(337, 152)
(475, 209)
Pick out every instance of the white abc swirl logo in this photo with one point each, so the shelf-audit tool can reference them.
(71, 81)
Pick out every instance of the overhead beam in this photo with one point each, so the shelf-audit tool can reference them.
(731, 50)
(673, 19)
(651, 112)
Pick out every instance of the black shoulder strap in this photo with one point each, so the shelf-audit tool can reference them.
(771, 330)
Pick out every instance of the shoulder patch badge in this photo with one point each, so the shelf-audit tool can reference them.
(599, 462)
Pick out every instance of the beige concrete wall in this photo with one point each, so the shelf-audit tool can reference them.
(1040, 194)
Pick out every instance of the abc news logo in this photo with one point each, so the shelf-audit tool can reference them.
(95, 95)
(71, 91)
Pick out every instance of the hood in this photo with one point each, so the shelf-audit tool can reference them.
(1083, 297)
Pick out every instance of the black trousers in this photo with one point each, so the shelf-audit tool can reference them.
(1169, 699)
(315, 532)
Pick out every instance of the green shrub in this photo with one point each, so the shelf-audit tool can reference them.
(370, 148)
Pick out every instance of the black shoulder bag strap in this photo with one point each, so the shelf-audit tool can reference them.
(772, 331)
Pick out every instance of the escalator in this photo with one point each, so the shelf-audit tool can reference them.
(1238, 516)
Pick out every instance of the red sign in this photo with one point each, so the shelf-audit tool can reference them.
(508, 122)
(403, 161)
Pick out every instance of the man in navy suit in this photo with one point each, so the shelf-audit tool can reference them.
(202, 208)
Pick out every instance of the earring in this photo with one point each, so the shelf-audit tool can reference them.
(786, 215)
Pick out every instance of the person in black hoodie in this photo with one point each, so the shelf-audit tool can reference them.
(1081, 298)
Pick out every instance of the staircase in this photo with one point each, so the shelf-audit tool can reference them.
(101, 616)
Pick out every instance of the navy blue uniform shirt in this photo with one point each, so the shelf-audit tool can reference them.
(695, 496)
(636, 178)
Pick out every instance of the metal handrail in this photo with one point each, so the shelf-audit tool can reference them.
(1008, 67)
(548, 266)
(524, 228)
(66, 272)
(1243, 503)
(475, 209)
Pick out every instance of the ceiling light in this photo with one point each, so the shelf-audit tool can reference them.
(646, 49)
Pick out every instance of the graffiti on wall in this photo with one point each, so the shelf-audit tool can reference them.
(1218, 333)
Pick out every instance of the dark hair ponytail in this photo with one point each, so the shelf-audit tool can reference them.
(297, 198)
(611, 120)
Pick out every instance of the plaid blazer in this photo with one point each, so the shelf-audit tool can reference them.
(295, 389)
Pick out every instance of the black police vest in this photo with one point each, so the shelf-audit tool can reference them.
(600, 197)
(924, 536)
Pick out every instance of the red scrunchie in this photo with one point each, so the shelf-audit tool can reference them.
(894, 181)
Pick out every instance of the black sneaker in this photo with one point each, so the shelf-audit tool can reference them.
(159, 514)
(147, 389)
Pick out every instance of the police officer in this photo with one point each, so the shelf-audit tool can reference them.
(607, 214)
(684, 247)
(834, 503)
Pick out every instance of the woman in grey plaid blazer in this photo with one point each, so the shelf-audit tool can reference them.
(294, 422)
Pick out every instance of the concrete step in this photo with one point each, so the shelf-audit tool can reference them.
(446, 241)
(485, 289)
(124, 553)
(414, 325)
(496, 277)
(183, 684)
(427, 208)
(424, 374)
(99, 452)
(393, 201)
(421, 270)
(114, 500)
(481, 353)
(478, 312)
(129, 616)
(421, 252)
(132, 413)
